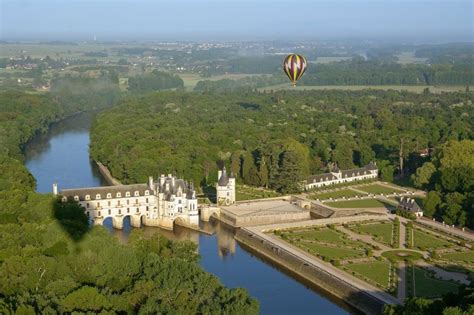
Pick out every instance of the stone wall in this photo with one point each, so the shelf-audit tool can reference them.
(321, 278)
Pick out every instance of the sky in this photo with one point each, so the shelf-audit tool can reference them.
(429, 20)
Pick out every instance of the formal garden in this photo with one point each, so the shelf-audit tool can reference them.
(386, 232)
(336, 194)
(359, 203)
(422, 283)
(377, 189)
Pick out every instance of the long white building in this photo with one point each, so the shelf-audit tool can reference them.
(370, 171)
(160, 203)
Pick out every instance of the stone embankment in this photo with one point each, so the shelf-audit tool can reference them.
(107, 175)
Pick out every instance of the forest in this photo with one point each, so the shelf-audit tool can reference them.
(52, 261)
(275, 140)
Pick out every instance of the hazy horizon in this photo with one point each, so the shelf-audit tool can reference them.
(429, 20)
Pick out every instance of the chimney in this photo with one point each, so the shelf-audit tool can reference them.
(162, 179)
(55, 189)
(150, 182)
(172, 181)
(219, 174)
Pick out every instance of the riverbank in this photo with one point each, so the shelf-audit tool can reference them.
(104, 171)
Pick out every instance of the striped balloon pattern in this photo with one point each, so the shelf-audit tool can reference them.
(294, 66)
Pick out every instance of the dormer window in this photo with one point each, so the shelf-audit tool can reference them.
(136, 194)
(64, 199)
(88, 197)
(127, 194)
(109, 195)
(97, 196)
(76, 198)
(119, 195)
(147, 193)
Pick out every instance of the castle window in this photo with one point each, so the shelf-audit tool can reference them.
(98, 213)
(109, 195)
(87, 213)
(120, 211)
(179, 201)
(110, 212)
(146, 208)
(147, 193)
(64, 199)
(128, 210)
(98, 205)
(136, 193)
(146, 200)
(119, 195)
(87, 205)
(88, 197)
(97, 196)
(118, 203)
(138, 210)
(128, 201)
(76, 198)
(108, 203)
(136, 201)
(127, 194)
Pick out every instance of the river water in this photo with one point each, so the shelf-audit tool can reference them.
(62, 156)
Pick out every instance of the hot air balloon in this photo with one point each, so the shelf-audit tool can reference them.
(294, 66)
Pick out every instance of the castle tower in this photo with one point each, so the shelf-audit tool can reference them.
(225, 188)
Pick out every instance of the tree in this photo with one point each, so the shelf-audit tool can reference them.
(289, 174)
(431, 203)
(423, 175)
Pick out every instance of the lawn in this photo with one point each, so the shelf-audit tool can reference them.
(331, 252)
(363, 203)
(399, 255)
(248, 193)
(326, 236)
(375, 271)
(381, 232)
(348, 193)
(425, 240)
(427, 286)
(379, 189)
(464, 256)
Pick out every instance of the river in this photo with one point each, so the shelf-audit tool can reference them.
(62, 156)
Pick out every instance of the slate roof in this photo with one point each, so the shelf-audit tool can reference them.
(409, 204)
(320, 178)
(104, 190)
(167, 190)
(224, 179)
(179, 184)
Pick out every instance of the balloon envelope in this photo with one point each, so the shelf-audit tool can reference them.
(294, 66)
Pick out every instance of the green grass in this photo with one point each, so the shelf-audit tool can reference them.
(464, 256)
(381, 232)
(379, 189)
(331, 252)
(326, 236)
(365, 203)
(399, 255)
(427, 286)
(249, 193)
(375, 271)
(335, 194)
(425, 240)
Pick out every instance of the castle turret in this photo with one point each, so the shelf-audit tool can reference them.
(225, 188)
